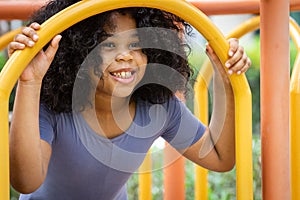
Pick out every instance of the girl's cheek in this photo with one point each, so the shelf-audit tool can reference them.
(143, 59)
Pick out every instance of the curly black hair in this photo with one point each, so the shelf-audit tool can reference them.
(164, 48)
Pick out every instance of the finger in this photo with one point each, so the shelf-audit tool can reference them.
(237, 56)
(241, 66)
(52, 49)
(13, 46)
(23, 39)
(30, 33)
(233, 46)
(246, 67)
(35, 26)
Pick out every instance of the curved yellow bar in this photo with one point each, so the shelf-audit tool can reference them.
(295, 116)
(8, 37)
(205, 75)
(87, 8)
(201, 111)
(201, 107)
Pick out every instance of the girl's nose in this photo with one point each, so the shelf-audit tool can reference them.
(124, 56)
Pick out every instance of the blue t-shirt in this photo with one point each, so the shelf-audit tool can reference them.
(85, 165)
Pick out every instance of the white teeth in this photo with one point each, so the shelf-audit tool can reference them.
(123, 75)
(128, 74)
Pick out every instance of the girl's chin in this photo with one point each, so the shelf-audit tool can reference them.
(123, 92)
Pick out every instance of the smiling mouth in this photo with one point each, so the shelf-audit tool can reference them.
(123, 74)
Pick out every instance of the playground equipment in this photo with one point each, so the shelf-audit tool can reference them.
(7, 38)
(201, 104)
(84, 9)
(22, 9)
(274, 140)
(201, 92)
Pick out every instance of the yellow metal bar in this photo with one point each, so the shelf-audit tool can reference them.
(183, 9)
(7, 38)
(145, 178)
(201, 106)
(4, 156)
(4, 148)
(295, 116)
(295, 130)
(244, 169)
(201, 112)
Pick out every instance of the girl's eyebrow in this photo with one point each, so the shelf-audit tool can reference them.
(109, 35)
(134, 34)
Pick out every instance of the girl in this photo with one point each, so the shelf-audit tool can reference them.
(89, 106)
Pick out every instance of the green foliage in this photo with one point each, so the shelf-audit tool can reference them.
(2, 60)
(222, 185)
(253, 77)
(14, 195)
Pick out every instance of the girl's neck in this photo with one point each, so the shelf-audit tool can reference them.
(108, 104)
(110, 117)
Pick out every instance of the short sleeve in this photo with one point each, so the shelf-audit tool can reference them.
(46, 124)
(183, 128)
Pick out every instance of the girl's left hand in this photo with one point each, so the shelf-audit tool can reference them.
(238, 61)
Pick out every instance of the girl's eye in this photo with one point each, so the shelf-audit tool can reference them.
(135, 45)
(108, 45)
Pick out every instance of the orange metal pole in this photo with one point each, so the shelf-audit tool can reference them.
(174, 174)
(216, 7)
(174, 170)
(22, 9)
(221, 7)
(18, 9)
(275, 78)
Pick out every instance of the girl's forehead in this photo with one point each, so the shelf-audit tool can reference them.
(120, 22)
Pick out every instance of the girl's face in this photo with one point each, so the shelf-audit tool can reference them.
(124, 63)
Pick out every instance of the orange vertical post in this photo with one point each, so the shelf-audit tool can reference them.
(174, 170)
(275, 76)
(174, 175)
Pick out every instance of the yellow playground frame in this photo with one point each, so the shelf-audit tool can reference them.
(84, 9)
(280, 168)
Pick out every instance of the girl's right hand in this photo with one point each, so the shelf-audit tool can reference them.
(37, 68)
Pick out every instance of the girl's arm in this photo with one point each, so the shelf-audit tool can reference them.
(216, 149)
(29, 155)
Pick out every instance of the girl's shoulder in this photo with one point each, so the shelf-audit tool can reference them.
(52, 116)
